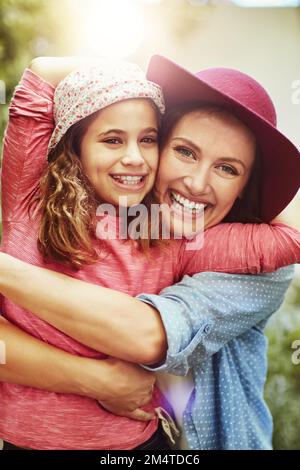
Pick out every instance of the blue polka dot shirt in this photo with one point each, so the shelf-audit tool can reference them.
(215, 328)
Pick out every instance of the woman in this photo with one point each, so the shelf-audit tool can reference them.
(225, 227)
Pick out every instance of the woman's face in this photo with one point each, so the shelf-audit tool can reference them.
(204, 165)
(119, 151)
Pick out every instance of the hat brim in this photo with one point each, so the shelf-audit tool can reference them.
(280, 157)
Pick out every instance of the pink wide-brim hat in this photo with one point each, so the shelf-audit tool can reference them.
(248, 101)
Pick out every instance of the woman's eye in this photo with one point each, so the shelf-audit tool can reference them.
(228, 169)
(113, 141)
(185, 152)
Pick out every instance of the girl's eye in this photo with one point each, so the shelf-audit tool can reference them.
(185, 152)
(149, 140)
(228, 169)
(113, 141)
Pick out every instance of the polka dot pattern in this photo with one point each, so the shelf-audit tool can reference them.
(214, 324)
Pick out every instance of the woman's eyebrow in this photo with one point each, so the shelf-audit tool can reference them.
(187, 142)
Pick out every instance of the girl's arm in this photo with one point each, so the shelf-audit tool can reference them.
(243, 249)
(54, 69)
(121, 387)
(30, 125)
(291, 214)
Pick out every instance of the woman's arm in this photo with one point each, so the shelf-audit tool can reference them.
(204, 313)
(96, 316)
(93, 315)
(121, 387)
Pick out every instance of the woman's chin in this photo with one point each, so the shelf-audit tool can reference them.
(186, 228)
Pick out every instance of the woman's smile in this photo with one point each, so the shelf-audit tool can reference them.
(205, 164)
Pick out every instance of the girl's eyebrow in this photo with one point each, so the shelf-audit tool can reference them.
(110, 131)
(198, 149)
(119, 131)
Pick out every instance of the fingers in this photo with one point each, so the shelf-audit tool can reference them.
(137, 414)
(140, 415)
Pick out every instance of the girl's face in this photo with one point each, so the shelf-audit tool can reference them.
(204, 165)
(119, 151)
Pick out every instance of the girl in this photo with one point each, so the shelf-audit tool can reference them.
(219, 213)
(123, 103)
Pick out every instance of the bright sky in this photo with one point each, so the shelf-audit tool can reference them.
(267, 3)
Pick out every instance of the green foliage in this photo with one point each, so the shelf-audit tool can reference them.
(28, 28)
(283, 385)
(19, 29)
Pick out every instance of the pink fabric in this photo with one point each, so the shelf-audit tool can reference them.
(244, 248)
(42, 420)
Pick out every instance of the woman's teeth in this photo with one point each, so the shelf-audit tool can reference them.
(191, 206)
(130, 180)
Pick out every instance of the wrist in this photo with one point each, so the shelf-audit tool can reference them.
(91, 378)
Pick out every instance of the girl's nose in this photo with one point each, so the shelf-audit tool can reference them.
(133, 157)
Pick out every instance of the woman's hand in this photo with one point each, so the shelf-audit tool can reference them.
(127, 387)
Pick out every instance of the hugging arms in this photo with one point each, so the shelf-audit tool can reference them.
(96, 316)
(95, 322)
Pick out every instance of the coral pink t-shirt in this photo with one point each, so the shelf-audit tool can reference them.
(39, 419)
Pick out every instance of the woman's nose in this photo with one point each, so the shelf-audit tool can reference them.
(198, 183)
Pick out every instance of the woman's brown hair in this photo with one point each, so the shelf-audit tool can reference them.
(245, 209)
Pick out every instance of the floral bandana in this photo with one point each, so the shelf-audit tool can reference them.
(91, 88)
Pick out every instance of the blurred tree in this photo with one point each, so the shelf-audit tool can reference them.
(28, 28)
(20, 25)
